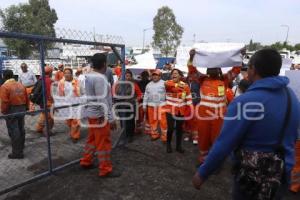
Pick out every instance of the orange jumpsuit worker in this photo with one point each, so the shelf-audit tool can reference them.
(212, 107)
(178, 106)
(69, 87)
(295, 185)
(190, 125)
(153, 104)
(100, 118)
(118, 71)
(42, 118)
(60, 73)
(13, 99)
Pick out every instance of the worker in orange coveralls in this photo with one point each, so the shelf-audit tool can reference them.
(295, 184)
(100, 119)
(178, 108)
(13, 99)
(118, 70)
(70, 87)
(60, 73)
(212, 107)
(190, 125)
(153, 104)
(42, 118)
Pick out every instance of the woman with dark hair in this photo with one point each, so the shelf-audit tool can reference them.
(130, 93)
(142, 85)
(178, 102)
(144, 81)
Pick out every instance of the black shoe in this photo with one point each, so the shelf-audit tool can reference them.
(169, 148)
(179, 150)
(15, 156)
(86, 167)
(113, 174)
(75, 140)
(130, 139)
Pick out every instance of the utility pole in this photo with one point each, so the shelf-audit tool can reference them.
(144, 33)
(287, 32)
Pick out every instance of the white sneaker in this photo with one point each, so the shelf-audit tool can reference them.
(195, 142)
(186, 139)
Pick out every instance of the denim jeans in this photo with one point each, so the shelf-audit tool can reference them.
(16, 130)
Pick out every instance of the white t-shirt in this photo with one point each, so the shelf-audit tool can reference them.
(27, 79)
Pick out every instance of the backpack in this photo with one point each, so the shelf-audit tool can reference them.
(36, 95)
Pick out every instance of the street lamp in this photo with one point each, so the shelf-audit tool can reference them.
(287, 32)
(144, 32)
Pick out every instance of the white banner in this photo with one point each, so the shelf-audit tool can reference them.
(211, 55)
(294, 76)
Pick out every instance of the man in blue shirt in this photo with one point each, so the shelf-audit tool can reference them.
(254, 119)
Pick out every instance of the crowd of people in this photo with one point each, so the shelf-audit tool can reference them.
(248, 112)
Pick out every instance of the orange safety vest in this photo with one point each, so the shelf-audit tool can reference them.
(12, 93)
(59, 75)
(213, 93)
(75, 85)
(178, 98)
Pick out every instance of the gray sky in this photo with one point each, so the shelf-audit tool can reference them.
(210, 20)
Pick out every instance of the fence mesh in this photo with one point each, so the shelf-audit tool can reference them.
(63, 148)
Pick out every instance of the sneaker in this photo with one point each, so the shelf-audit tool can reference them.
(195, 142)
(112, 174)
(186, 139)
(15, 156)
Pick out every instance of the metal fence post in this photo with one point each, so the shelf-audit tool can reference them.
(45, 106)
(123, 62)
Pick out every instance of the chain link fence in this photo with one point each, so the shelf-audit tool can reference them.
(46, 153)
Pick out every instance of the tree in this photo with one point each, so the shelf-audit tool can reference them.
(297, 46)
(254, 46)
(167, 33)
(279, 46)
(35, 17)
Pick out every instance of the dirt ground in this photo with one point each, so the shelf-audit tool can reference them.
(148, 172)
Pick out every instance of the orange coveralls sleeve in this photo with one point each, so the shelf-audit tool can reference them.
(295, 185)
(4, 96)
(59, 75)
(229, 95)
(138, 92)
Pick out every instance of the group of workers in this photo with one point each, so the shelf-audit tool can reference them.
(160, 103)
